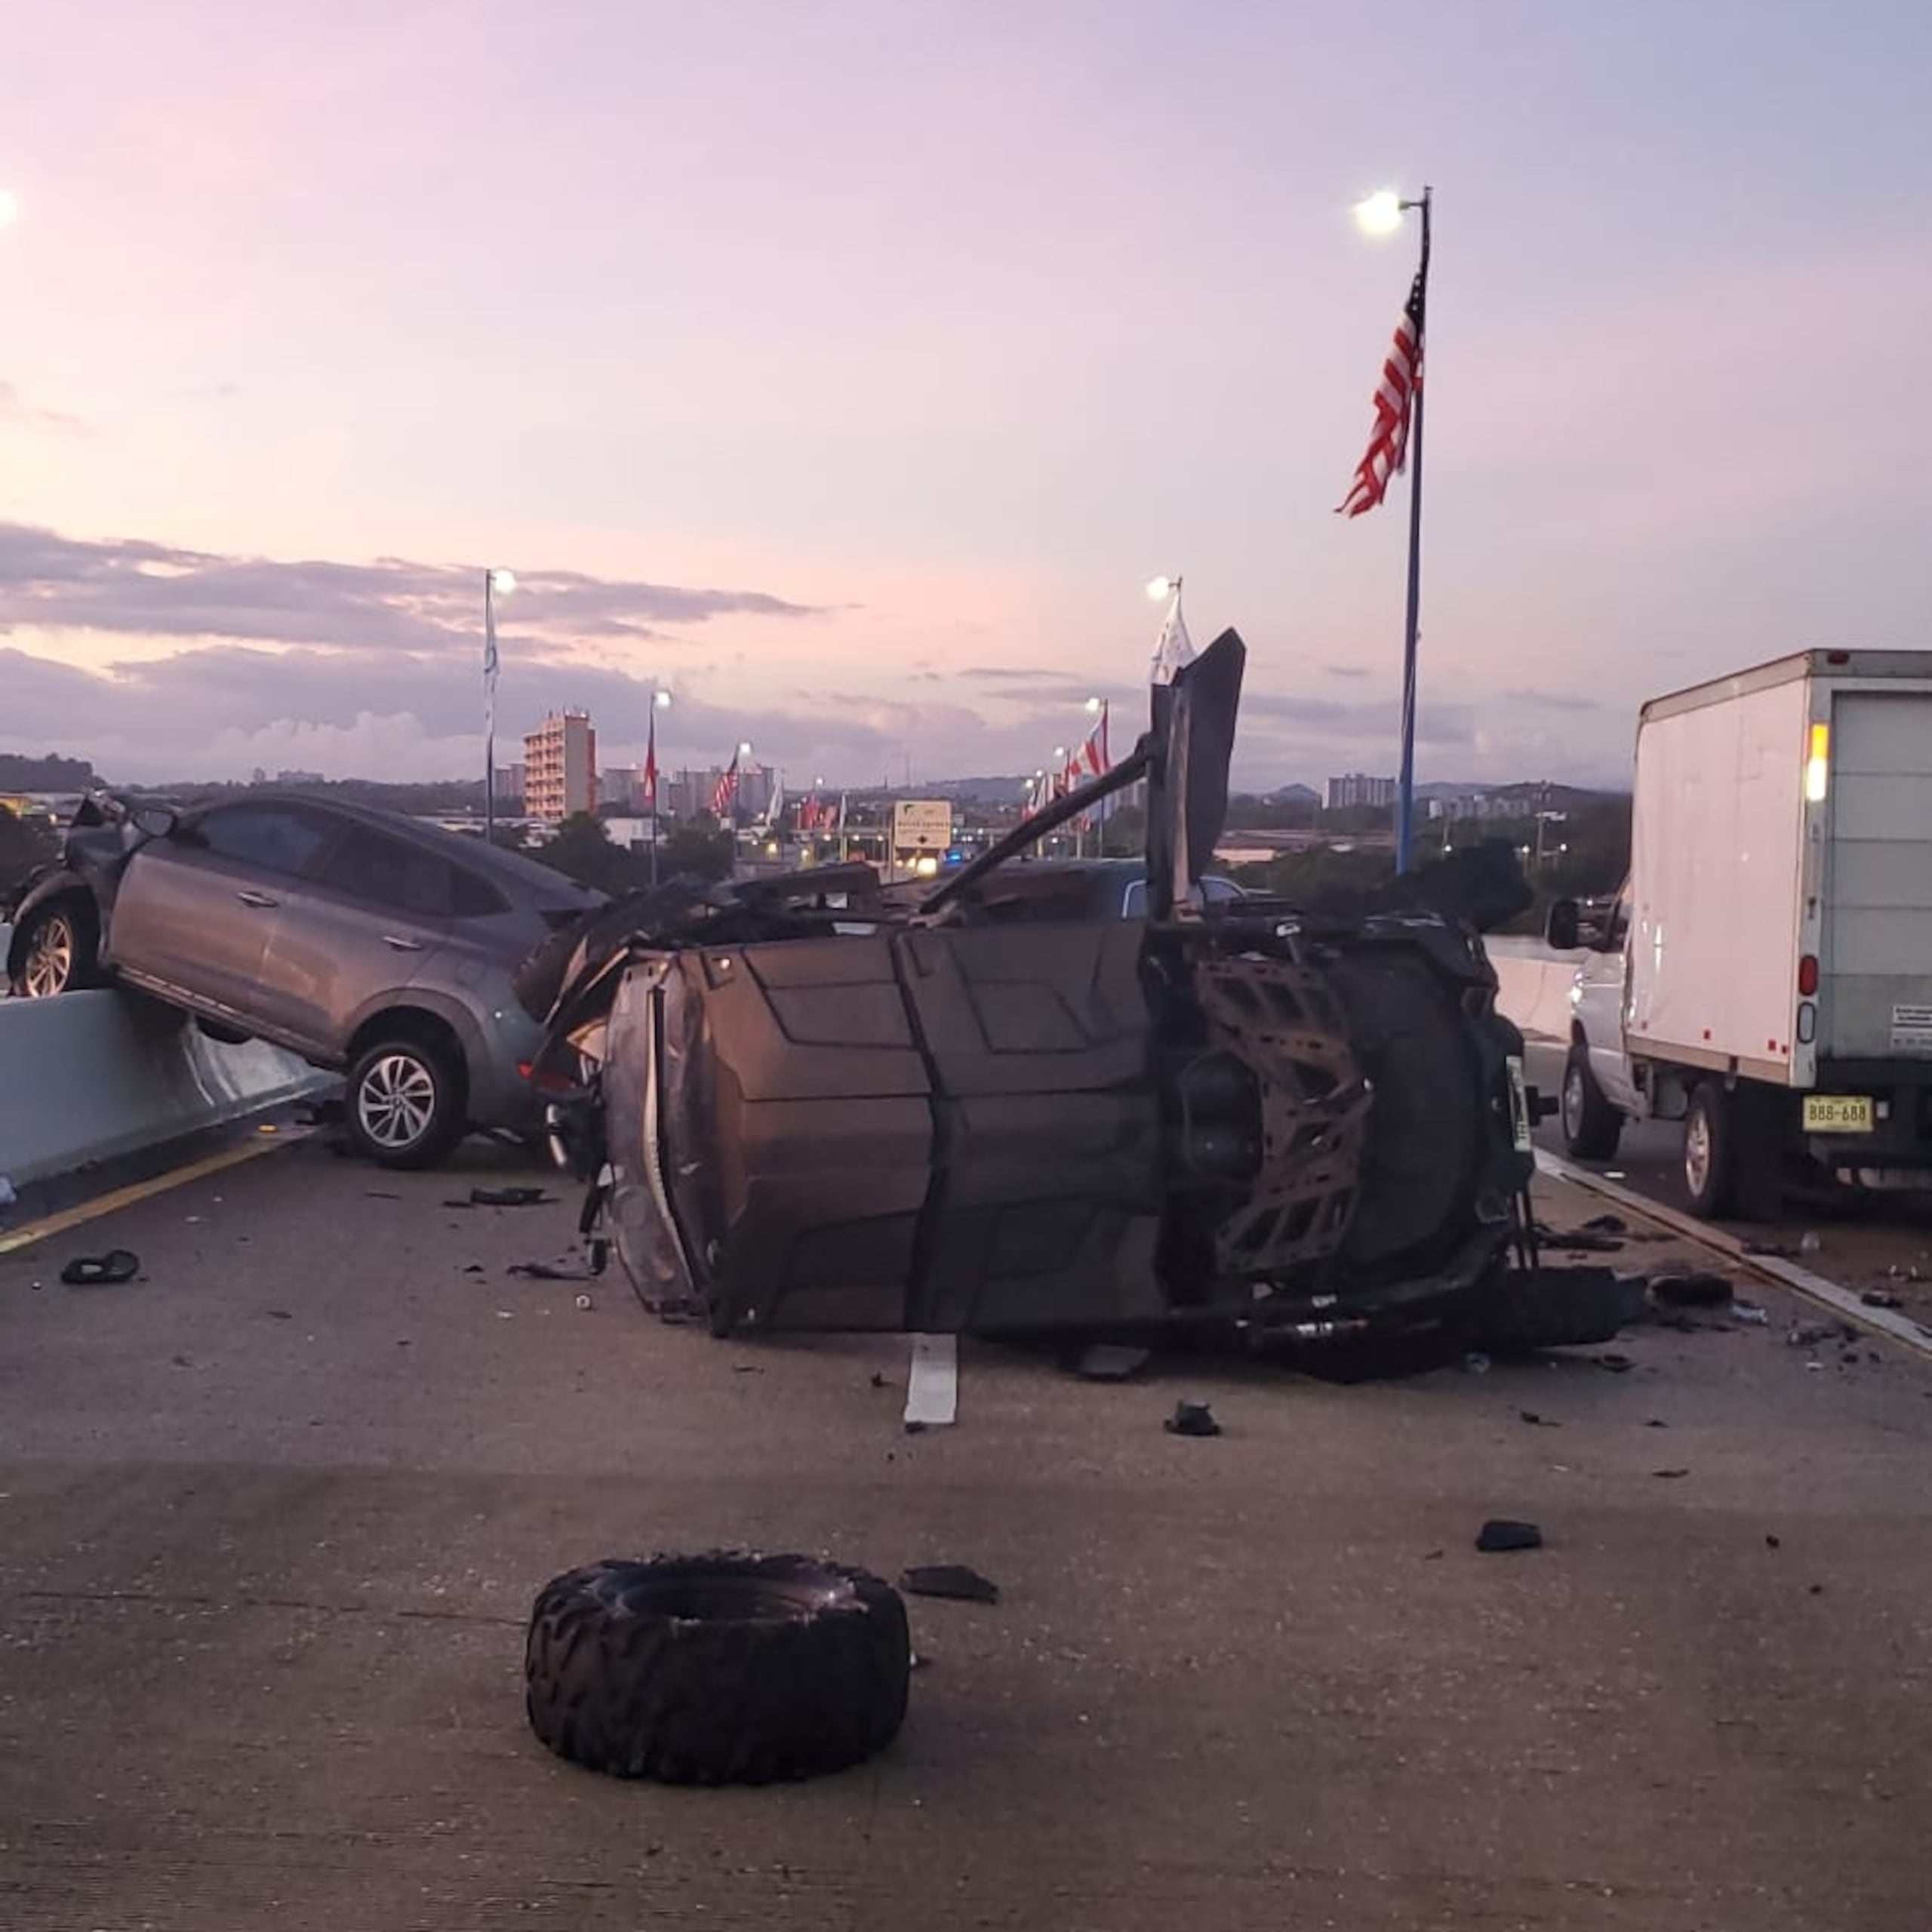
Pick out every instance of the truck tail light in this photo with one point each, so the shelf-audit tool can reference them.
(1818, 765)
(1807, 974)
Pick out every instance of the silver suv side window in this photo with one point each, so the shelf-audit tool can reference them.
(285, 840)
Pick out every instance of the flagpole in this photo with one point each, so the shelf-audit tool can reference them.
(1405, 799)
(651, 768)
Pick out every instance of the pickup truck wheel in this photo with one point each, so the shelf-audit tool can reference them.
(1733, 1153)
(1591, 1126)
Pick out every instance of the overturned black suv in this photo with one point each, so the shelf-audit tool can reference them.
(806, 1102)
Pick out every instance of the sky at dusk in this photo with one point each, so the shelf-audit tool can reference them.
(847, 369)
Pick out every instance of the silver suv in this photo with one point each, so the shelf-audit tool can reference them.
(362, 940)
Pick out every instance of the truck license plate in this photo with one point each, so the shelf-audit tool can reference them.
(1838, 1113)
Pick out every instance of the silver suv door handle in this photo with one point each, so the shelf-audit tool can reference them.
(257, 899)
(400, 944)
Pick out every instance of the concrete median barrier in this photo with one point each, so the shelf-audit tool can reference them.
(90, 1076)
(1534, 985)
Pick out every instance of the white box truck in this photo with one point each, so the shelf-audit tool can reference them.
(1765, 975)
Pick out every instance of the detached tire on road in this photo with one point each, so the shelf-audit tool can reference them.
(722, 1669)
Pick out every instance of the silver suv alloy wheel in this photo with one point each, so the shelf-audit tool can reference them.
(397, 1101)
(50, 960)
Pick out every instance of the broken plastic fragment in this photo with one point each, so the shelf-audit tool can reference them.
(958, 1581)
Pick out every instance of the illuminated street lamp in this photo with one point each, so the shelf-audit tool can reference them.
(660, 700)
(1380, 213)
(9, 207)
(496, 583)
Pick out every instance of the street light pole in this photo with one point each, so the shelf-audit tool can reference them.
(1405, 803)
(495, 582)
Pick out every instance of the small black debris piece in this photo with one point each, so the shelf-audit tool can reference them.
(1110, 1362)
(1656, 1422)
(280, 1314)
(1700, 1290)
(1669, 1475)
(1500, 1533)
(1536, 1421)
(546, 1271)
(878, 1378)
(380, 1194)
(1583, 1241)
(1880, 1298)
(1770, 1250)
(87, 1271)
(957, 1581)
(1193, 1419)
(472, 1268)
(1607, 1224)
(1773, 1541)
(1816, 1590)
(508, 1197)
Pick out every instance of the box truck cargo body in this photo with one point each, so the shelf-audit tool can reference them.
(1767, 976)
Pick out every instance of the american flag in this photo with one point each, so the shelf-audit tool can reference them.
(1395, 396)
(650, 768)
(726, 790)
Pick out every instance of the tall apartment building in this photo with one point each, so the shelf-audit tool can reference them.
(560, 766)
(1358, 788)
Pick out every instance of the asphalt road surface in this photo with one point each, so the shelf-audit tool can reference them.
(271, 1517)
(1883, 1243)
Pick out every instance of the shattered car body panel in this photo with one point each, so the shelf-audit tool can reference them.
(933, 1123)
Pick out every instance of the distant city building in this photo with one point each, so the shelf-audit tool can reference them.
(300, 778)
(1358, 788)
(620, 788)
(511, 779)
(1476, 805)
(560, 766)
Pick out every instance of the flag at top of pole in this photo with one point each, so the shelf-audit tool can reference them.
(651, 766)
(1388, 452)
(1174, 648)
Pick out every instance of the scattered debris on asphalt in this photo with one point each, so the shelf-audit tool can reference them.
(1809, 1334)
(380, 1194)
(1669, 1475)
(1110, 1362)
(1750, 1314)
(506, 1197)
(1699, 1289)
(1607, 1224)
(1536, 1421)
(1773, 1249)
(1772, 1542)
(1592, 1238)
(280, 1314)
(1656, 1422)
(1880, 1298)
(546, 1271)
(958, 1582)
(1500, 1533)
(879, 1380)
(473, 1268)
(584, 1304)
(116, 1265)
(1192, 1419)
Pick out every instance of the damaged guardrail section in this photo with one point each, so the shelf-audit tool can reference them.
(92, 1075)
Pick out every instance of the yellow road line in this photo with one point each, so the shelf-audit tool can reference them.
(142, 1190)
